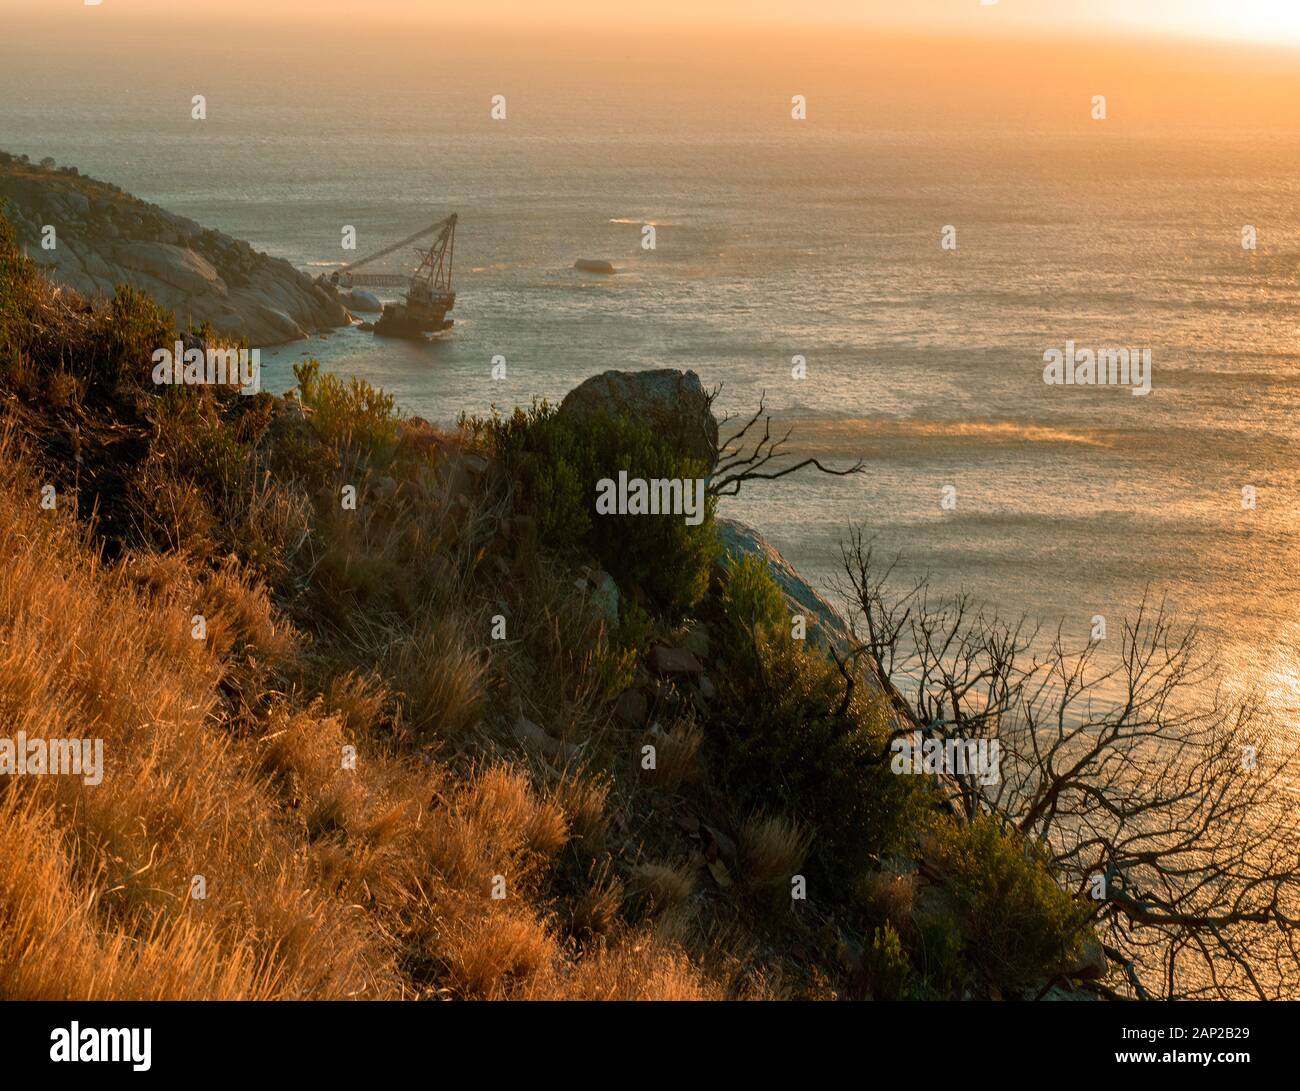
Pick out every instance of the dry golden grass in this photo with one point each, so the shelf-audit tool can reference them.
(442, 680)
(490, 954)
(664, 887)
(594, 914)
(772, 849)
(584, 797)
(676, 755)
(641, 967)
(321, 880)
(889, 896)
(360, 701)
(84, 655)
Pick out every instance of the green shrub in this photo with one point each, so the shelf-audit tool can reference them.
(353, 418)
(17, 273)
(139, 327)
(937, 954)
(751, 599)
(17, 302)
(555, 464)
(295, 451)
(886, 964)
(1018, 922)
(780, 743)
(636, 628)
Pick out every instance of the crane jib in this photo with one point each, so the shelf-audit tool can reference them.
(446, 226)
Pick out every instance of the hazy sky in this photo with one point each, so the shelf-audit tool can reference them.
(1262, 20)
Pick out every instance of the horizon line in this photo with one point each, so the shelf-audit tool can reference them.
(811, 26)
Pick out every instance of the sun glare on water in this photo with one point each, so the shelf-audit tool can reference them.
(1264, 19)
(1255, 20)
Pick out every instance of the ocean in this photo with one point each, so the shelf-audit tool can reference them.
(774, 239)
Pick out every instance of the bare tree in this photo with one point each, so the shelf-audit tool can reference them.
(746, 455)
(1159, 798)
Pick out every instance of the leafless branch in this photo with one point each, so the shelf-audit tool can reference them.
(744, 457)
(1159, 798)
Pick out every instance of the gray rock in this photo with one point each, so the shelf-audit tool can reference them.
(1056, 994)
(671, 403)
(673, 662)
(60, 262)
(107, 237)
(1092, 964)
(632, 708)
(535, 738)
(825, 626)
(604, 596)
(358, 299)
(96, 266)
(182, 269)
(271, 326)
(230, 325)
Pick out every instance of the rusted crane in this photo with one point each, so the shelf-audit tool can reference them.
(429, 295)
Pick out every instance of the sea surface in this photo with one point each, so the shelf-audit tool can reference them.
(775, 239)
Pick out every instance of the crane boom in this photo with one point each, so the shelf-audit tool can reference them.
(397, 245)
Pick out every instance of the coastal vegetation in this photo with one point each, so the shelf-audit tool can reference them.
(388, 713)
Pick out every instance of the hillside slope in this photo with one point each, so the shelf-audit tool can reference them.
(402, 746)
(104, 237)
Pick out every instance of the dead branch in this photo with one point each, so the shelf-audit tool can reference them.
(1158, 797)
(741, 457)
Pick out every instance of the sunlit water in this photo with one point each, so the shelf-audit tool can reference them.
(775, 239)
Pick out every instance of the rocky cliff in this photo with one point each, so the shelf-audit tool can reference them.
(103, 237)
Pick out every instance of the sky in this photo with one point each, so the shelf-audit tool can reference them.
(1199, 64)
(1272, 21)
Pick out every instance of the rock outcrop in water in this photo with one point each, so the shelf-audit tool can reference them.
(104, 237)
(358, 299)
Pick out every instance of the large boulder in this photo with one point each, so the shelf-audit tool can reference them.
(271, 326)
(671, 403)
(78, 204)
(358, 299)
